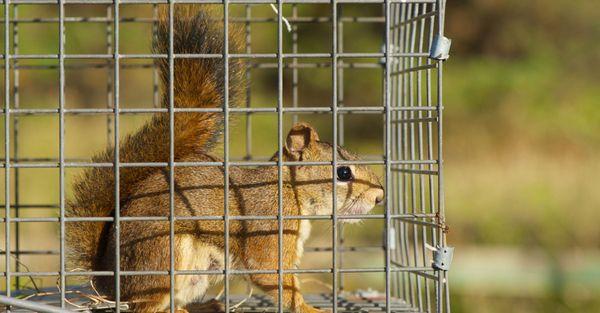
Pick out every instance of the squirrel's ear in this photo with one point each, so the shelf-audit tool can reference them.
(300, 137)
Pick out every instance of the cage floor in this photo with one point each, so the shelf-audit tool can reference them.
(348, 302)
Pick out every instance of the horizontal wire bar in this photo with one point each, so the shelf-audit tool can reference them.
(34, 306)
(216, 56)
(407, 217)
(420, 273)
(221, 272)
(415, 120)
(305, 64)
(34, 206)
(357, 109)
(306, 249)
(81, 66)
(209, 1)
(262, 65)
(201, 164)
(414, 171)
(299, 19)
(365, 158)
(414, 69)
(416, 18)
(345, 249)
(32, 252)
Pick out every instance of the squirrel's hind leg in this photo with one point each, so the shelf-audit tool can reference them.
(260, 257)
(191, 255)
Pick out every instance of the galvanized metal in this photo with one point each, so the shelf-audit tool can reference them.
(442, 258)
(30, 305)
(411, 109)
(117, 159)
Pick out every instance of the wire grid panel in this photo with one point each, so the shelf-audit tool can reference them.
(410, 158)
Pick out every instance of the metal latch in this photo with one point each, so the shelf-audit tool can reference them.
(440, 48)
(442, 258)
(389, 238)
(393, 49)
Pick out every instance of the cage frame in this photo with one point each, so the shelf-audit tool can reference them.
(395, 64)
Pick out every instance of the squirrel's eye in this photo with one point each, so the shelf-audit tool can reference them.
(344, 173)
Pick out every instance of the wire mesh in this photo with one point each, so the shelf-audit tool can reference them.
(410, 108)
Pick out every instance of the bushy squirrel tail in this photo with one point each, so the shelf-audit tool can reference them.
(199, 83)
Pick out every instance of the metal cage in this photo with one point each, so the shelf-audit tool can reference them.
(413, 257)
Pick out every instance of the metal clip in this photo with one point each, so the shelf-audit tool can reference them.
(391, 238)
(393, 49)
(440, 48)
(442, 258)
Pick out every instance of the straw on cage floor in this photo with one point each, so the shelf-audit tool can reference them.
(347, 302)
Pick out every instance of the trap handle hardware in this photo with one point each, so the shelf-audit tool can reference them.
(440, 48)
(442, 258)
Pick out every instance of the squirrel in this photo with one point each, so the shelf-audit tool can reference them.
(199, 191)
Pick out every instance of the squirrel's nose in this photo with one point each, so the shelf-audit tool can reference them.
(379, 196)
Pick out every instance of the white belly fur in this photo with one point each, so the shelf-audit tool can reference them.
(194, 255)
(303, 234)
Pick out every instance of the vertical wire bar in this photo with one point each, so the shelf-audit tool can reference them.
(407, 147)
(334, 120)
(155, 78)
(402, 251)
(432, 193)
(409, 294)
(397, 135)
(414, 178)
(248, 78)
(15, 36)
(116, 93)
(388, 155)
(226, 140)
(109, 81)
(61, 142)
(339, 91)
(440, 176)
(401, 142)
(440, 21)
(7, 147)
(447, 291)
(409, 135)
(442, 203)
(280, 154)
(422, 190)
(295, 63)
(430, 144)
(394, 284)
(171, 161)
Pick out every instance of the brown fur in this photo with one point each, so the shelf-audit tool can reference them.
(198, 84)
(199, 191)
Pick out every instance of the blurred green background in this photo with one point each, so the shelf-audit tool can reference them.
(521, 142)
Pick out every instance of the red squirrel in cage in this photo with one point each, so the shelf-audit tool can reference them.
(199, 191)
